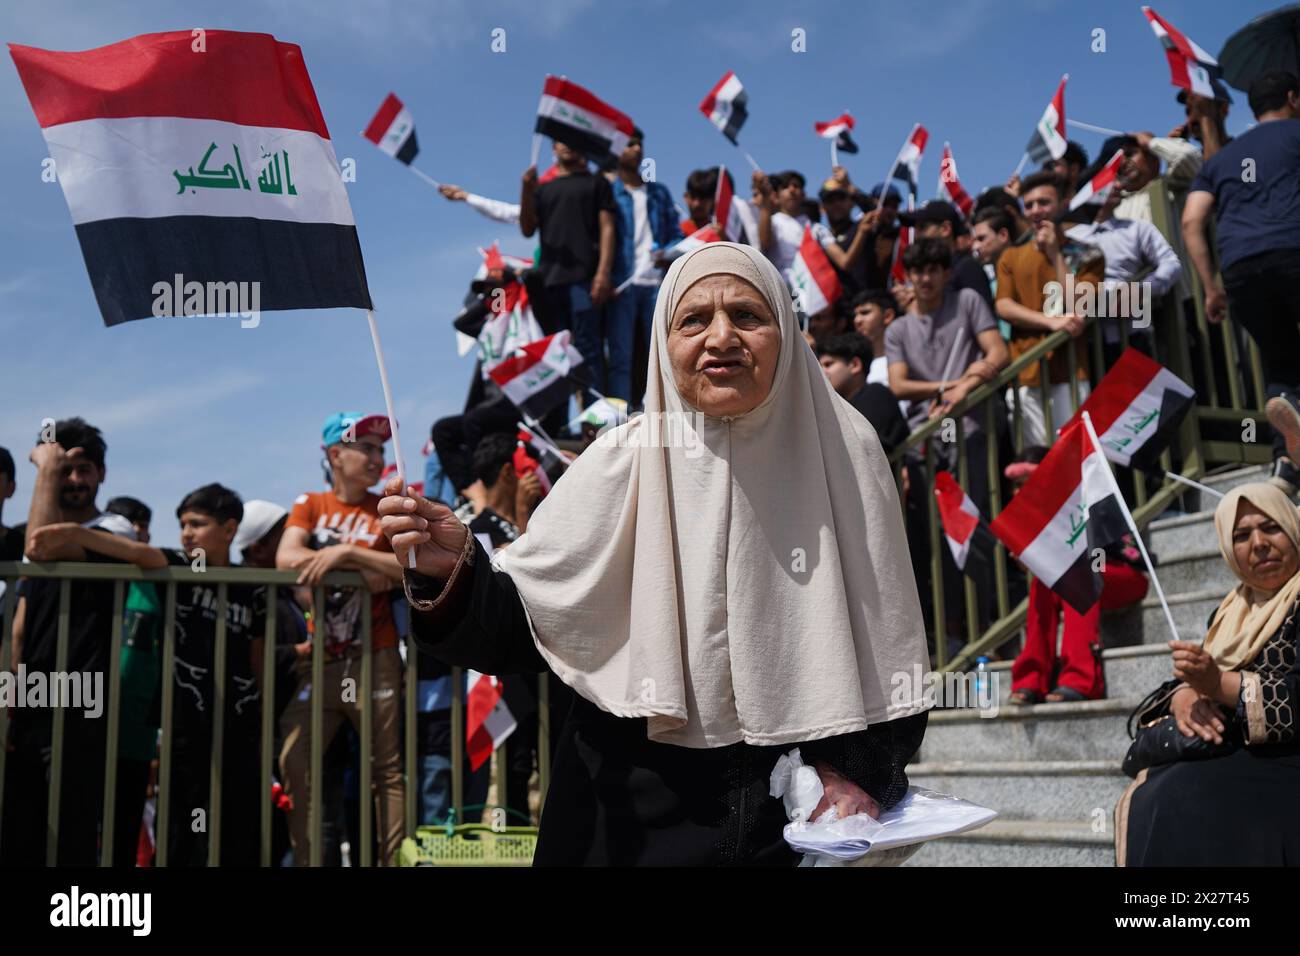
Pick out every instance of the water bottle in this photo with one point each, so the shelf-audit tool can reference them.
(981, 680)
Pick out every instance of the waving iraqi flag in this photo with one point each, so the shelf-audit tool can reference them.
(207, 168)
(1136, 408)
(1065, 512)
(1049, 142)
(968, 536)
(581, 120)
(537, 377)
(812, 277)
(392, 129)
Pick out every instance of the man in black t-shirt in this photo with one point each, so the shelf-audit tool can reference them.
(844, 360)
(575, 215)
(11, 539)
(69, 460)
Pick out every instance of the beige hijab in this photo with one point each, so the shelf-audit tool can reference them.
(749, 581)
(1247, 618)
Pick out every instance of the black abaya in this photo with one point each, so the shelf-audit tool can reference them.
(618, 798)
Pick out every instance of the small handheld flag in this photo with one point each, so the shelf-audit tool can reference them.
(1049, 142)
(1190, 67)
(393, 130)
(837, 131)
(968, 536)
(1097, 189)
(581, 120)
(812, 277)
(950, 186)
(726, 106)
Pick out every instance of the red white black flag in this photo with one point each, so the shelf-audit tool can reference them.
(950, 187)
(1063, 514)
(393, 130)
(537, 377)
(213, 171)
(1190, 67)
(1049, 142)
(581, 120)
(1096, 189)
(812, 277)
(1136, 408)
(968, 536)
(726, 106)
(488, 721)
(838, 129)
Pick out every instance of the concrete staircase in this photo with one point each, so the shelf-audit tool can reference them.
(1053, 771)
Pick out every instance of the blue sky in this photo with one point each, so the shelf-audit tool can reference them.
(186, 401)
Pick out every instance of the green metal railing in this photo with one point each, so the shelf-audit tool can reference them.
(1169, 337)
(169, 579)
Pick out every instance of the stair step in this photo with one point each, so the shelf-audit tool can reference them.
(1180, 533)
(1130, 671)
(1021, 843)
(1086, 730)
(1077, 791)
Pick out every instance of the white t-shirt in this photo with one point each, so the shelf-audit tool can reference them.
(878, 374)
(643, 270)
(787, 236)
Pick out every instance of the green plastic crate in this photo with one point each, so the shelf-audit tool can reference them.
(470, 844)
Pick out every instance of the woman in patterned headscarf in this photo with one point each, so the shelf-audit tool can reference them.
(1243, 687)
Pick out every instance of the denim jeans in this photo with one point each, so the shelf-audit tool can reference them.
(629, 320)
(572, 309)
(435, 789)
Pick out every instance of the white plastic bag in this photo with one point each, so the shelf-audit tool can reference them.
(859, 840)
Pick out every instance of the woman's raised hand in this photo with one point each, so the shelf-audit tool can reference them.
(411, 521)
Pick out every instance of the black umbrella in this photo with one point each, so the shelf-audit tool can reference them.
(1269, 42)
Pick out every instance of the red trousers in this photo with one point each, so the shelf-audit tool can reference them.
(1080, 670)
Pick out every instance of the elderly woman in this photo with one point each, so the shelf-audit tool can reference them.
(1239, 692)
(720, 580)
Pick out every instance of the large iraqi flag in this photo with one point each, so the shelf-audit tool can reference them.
(197, 158)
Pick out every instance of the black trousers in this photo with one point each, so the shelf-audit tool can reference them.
(187, 829)
(1264, 296)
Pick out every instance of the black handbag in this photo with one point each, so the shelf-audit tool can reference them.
(1158, 741)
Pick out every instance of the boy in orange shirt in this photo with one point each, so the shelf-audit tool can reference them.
(338, 530)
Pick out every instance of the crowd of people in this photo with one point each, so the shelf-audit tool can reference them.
(901, 345)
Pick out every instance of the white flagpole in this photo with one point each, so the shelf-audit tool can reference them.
(537, 149)
(1096, 129)
(392, 417)
(835, 155)
(884, 186)
(1132, 526)
(425, 176)
(531, 424)
(956, 346)
(1195, 484)
(752, 162)
(1024, 158)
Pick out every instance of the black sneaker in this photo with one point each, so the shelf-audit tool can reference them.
(1284, 414)
(1285, 476)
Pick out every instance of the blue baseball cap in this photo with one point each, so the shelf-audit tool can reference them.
(338, 425)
